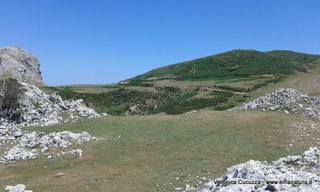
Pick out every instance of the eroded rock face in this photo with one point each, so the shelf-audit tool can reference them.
(18, 64)
(285, 100)
(292, 174)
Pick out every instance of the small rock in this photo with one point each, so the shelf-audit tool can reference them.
(59, 174)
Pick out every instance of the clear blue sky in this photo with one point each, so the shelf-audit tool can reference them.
(103, 41)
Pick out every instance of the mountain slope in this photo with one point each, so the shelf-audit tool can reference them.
(233, 64)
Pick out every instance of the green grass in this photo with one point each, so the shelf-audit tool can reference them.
(147, 153)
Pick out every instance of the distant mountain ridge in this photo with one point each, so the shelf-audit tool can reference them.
(233, 64)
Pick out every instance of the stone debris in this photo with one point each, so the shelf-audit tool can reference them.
(30, 145)
(285, 100)
(20, 153)
(290, 174)
(17, 188)
(22, 105)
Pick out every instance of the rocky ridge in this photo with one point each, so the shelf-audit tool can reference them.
(25, 105)
(285, 100)
(18, 64)
(290, 174)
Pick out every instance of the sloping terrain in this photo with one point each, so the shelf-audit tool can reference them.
(232, 65)
(162, 152)
(217, 82)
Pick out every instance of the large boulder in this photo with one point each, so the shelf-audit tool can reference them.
(18, 64)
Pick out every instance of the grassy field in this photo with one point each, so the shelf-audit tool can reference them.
(159, 152)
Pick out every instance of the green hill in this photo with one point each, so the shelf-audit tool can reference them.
(232, 64)
(216, 82)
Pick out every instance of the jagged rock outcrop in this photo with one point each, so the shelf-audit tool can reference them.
(285, 100)
(18, 64)
(289, 174)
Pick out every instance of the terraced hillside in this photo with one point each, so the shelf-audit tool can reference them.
(216, 82)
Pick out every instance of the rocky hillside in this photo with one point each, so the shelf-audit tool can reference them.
(23, 104)
(18, 64)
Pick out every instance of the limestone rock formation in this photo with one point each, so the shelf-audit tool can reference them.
(18, 64)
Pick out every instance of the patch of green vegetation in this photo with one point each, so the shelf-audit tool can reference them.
(256, 86)
(230, 88)
(118, 101)
(267, 82)
(187, 102)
